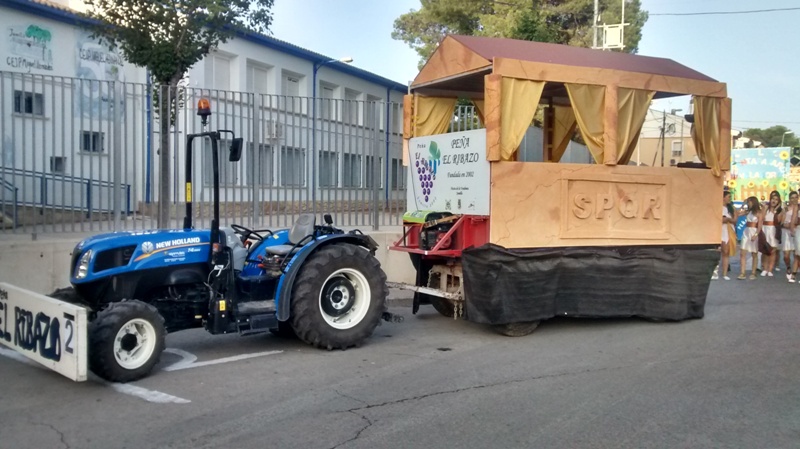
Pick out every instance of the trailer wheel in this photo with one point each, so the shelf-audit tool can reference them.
(519, 329)
(443, 306)
(338, 297)
(126, 341)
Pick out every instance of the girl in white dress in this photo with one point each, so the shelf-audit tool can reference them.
(796, 237)
(768, 219)
(728, 247)
(750, 235)
(788, 245)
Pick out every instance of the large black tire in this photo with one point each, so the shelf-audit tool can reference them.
(520, 329)
(126, 341)
(340, 282)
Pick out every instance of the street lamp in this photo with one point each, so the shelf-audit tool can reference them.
(784, 136)
(317, 66)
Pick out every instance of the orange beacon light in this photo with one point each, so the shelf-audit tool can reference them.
(204, 109)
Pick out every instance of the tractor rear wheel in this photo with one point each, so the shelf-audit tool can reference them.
(338, 297)
(520, 329)
(126, 341)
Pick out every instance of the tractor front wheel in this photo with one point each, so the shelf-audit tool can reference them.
(126, 341)
(338, 297)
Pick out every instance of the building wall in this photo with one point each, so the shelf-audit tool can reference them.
(68, 80)
(678, 144)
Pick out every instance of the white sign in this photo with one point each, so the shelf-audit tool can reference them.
(46, 330)
(30, 48)
(449, 172)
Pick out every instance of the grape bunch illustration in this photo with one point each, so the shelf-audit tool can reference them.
(426, 170)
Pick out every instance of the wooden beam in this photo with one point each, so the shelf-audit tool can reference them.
(485, 70)
(408, 113)
(447, 93)
(450, 58)
(539, 71)
(549, 131)
(610, 126)
(725, 134)
(492, 101)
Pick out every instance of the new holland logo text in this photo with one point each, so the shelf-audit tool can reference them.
(177, 242)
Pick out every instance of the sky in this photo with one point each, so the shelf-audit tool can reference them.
(757, 55)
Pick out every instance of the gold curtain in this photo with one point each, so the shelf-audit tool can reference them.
(519, 100)
(632, 109)
(432, 115)
(479, 107)
(563, 128)
(588, 103)
(705, 132)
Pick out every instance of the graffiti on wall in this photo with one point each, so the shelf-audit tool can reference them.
(29, 48)
(97, 66)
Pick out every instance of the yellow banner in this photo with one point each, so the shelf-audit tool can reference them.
(188, 192)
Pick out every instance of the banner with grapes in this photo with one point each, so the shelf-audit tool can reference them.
(449, 172)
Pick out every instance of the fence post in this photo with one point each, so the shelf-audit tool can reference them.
(376, 167)
(89, 199)
(254, 161)
(115, 153)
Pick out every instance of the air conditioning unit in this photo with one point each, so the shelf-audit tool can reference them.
(273, 129)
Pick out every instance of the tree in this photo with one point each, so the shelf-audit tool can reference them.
(772, 136)
(558, 21)
(168, 38)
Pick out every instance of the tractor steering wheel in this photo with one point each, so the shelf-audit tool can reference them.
(246, 233)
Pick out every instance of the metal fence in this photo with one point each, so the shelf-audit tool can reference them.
(81, 155)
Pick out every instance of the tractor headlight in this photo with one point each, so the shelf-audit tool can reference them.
(83, 265)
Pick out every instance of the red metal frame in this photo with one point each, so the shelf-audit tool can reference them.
(467, 231)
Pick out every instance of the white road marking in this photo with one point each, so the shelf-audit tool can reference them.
(129, 389)
(189, 359)
(147, 395)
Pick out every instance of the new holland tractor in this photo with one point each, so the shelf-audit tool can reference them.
(313, 281)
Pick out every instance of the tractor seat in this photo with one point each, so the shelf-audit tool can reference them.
(302, 228)
(282, 250)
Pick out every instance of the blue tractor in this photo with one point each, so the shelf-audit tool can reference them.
(313, 281)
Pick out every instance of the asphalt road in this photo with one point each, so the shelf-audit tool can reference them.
(727, 380)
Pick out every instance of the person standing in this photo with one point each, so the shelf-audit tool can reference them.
(788, 246)
(728, 247)
(796, 237)
(749, 242)
(768, 221)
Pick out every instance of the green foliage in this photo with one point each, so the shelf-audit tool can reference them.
(557, 21)
(169, 37)
(533, 26)
(771, 137)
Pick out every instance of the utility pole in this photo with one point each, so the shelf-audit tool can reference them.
(663, 135)
(594, 24)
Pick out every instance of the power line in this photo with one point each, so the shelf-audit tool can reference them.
(765, 121)
(721, 12)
